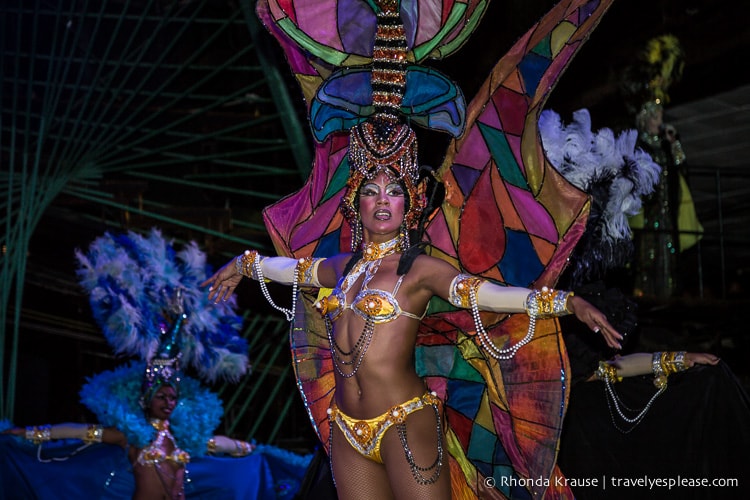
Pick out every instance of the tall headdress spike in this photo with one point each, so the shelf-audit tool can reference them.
(163, 368)
(384, 142)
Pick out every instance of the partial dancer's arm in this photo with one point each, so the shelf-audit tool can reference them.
(88, 433)
(284, 270)
(460, 288)
(219, 445)
(642, 363)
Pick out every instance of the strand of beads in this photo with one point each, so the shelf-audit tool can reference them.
(288, 313)
(416, 470)
(614, 400)
(484, 337)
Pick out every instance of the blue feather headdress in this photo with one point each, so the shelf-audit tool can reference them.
(614, 172)
(132, 281)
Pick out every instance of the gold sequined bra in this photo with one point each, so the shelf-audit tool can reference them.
(378, 306)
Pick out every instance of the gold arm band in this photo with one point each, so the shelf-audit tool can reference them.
(462, 288)
(657, 367)
(211, 446)
(672, 362)
(307, 271)
(547, 303)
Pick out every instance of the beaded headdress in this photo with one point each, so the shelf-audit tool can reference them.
(384, 142)
(163, 368)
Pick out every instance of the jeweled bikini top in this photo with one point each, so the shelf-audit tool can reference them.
(378, 306)
(155, 454)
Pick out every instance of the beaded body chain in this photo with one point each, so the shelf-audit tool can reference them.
(249, 264)
(614, 401)
(373, 255)
(436, 466)
(354, 356)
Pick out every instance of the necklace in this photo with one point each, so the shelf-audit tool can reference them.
(374, 251)
(372, 256)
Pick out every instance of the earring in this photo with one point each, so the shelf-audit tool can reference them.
(356, 234)
(405, 244)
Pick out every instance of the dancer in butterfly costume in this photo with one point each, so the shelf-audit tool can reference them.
(424, 340)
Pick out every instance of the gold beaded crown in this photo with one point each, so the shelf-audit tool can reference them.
(383, 142)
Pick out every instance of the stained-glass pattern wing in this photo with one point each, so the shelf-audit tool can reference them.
(510, 217)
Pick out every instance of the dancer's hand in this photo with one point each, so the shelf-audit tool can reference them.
(223, 282)
(596, 320)
(700, 358)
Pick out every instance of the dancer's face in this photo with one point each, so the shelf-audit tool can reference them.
(381, 207)
(163, 403)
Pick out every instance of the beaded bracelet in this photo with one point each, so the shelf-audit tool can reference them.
(673, 362)
(660, 375)
(242, 448)
(245, 264)
(38, 435)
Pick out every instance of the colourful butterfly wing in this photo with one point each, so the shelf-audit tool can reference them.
(496, 175)
(508, 216)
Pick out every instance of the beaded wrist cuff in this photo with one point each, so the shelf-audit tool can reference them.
(672, 362)
(679, 361)
(245, 264)
(607, 372)
(657, 367)
(241, 448)
(39, 434)
(547, 303)
(94, 434)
